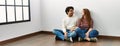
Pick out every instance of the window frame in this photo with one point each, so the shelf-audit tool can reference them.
(15, 6)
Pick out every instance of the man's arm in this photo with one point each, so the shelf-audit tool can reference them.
(64, 28)
(76, 24)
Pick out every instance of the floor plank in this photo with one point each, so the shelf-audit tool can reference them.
(48, 40)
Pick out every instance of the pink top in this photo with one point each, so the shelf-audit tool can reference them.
(83, 24)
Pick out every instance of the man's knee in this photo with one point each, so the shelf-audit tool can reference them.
(73, 34)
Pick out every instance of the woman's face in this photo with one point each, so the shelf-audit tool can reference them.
(83, 14)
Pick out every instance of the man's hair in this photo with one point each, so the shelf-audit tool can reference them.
(68, 8)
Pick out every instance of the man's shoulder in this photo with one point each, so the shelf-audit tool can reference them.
(64, 19)
(76, 17)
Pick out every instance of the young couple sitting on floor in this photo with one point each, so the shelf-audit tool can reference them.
(75, 28)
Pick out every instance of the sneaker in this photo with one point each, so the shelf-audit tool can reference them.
(93, 39)
(56, 38)
(66, 39)
(71, 40)
(80, 39)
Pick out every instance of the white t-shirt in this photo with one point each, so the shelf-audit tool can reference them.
(69, 22)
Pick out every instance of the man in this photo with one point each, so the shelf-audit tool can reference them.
(69, 26)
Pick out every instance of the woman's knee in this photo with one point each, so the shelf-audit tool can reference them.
(94, 32)
(78, 30)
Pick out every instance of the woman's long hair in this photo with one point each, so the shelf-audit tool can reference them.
(87, 15)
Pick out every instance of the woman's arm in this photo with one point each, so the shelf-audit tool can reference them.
(90, 29)
(78, 22)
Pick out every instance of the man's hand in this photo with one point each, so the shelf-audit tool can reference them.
(73, 28)
(65, 35)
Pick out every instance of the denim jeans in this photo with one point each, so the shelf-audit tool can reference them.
(81, 33)
(59, 33)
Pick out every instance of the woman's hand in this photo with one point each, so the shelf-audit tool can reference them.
(87, 35)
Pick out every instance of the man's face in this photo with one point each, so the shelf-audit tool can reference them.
(70, 12)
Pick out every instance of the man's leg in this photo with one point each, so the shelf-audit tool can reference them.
(71, 35)
(59, 33)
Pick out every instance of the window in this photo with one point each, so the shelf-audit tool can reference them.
(14, 11)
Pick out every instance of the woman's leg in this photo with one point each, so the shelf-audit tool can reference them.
(59, 33)
(93, 33)
(80, 33)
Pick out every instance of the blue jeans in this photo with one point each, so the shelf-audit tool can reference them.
(81, 33)
(59, 33)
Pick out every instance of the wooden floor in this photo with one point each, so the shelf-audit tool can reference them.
(48, 40)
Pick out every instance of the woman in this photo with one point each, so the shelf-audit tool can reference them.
(85, 30)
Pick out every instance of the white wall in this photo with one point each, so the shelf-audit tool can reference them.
(104, 12)
(18, 29)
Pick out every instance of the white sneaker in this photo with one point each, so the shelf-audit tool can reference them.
(71, 40)
(93, 39)
(79, 39)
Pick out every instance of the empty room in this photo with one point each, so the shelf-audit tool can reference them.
(59, 23)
